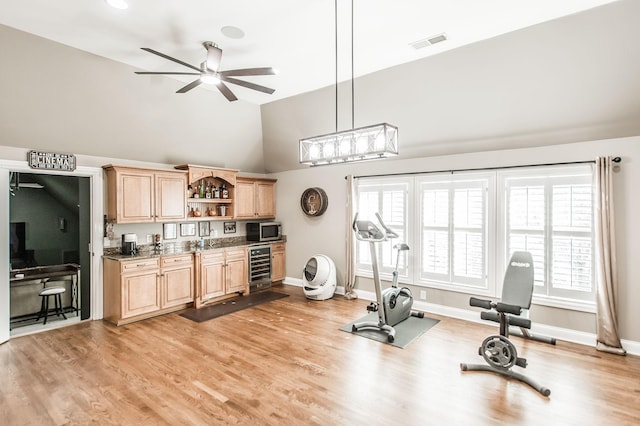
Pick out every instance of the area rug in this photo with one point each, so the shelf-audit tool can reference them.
(406, 331)
(232, 305)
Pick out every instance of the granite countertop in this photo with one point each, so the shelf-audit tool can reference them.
(171, 249)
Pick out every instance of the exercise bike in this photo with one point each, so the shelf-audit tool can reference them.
(393, 304)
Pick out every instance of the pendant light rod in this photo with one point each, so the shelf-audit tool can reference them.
(335, 10)
(352, 76)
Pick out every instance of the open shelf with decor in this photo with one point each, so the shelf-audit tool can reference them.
(210, 192)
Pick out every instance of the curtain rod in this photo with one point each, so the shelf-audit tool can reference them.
(615, 160)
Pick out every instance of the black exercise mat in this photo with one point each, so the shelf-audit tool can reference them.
(232, 305)
(406, 331)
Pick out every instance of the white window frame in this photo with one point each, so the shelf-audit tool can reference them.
(485, 181)
(544, 293)
(386, 253)
(497, 251)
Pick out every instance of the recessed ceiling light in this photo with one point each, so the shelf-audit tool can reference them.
(232, 32)
(118, 4)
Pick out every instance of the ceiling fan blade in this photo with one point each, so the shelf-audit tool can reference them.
(250, 71)
(162, 55)
(194, 83)
(214, 55)
(226, 92)
(166, 73)
(247, 84)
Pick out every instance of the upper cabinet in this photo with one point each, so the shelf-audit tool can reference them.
(210, 192)
(138, 195)
(255, 198)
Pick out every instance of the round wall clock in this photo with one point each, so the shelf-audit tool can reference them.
(314, 201)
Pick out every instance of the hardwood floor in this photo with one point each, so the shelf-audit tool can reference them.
(286, 363)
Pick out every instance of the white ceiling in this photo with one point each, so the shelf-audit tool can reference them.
(294, 36)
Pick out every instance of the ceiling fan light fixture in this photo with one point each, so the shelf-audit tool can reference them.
(117, 4)
(209, 79)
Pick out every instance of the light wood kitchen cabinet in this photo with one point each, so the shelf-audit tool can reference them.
(236, 272)
(223, 273)
(138, 195)
(211, 276)
(177, 280)
(278, 261)
(131, 289)
(255, 198)
(142, 288)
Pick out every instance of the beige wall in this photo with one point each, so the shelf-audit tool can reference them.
(326, 234)
(569, 80)
(56, 98)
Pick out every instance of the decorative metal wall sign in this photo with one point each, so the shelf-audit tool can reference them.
(51, 161)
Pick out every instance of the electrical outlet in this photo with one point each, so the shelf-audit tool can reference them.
(423, 295)
(149, 238)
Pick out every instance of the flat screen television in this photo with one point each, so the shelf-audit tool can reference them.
(17, 240)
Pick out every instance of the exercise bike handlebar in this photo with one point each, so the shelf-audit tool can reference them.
(368, 231)
(387, 230)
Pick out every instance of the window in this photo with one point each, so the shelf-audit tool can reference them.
(389, 198)
(453, 231)
(551, 216)
(463, 227)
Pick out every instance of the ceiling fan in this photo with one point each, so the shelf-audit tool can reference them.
(209, 73)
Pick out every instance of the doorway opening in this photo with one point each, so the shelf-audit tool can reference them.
(50, 234)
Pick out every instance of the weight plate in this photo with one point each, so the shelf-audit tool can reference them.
(499, 352)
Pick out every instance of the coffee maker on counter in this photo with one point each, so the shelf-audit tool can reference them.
(129, 244)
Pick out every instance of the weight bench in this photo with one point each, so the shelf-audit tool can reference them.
(517, 289)
(497, 350)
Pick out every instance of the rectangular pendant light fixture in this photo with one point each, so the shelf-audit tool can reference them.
(365, 143)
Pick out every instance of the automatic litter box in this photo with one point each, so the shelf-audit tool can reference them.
(319, 278)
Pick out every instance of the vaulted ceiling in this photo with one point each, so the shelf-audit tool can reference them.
(294, 36)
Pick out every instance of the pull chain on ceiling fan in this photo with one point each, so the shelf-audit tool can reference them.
(209, 73)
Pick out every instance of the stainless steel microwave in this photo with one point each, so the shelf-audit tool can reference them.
(264, 231)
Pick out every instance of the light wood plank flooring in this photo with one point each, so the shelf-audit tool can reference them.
(286, 363)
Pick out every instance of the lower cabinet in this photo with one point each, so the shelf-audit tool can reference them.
(223, 273)
(278, 261)
(141, 288)
(177, 278)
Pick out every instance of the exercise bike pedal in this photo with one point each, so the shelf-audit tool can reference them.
(521, 362)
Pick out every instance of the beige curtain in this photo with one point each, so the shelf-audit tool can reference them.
(608, 339)
(350, 274)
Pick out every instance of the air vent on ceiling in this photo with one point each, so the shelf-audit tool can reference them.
(429, 41)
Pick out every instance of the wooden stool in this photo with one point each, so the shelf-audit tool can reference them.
(44, 307)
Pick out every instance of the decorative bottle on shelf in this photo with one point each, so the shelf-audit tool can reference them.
(216, 192)
(225, 191)
(189, 191)
(207, 191)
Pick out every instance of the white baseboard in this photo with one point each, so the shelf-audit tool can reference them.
(574, 336)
